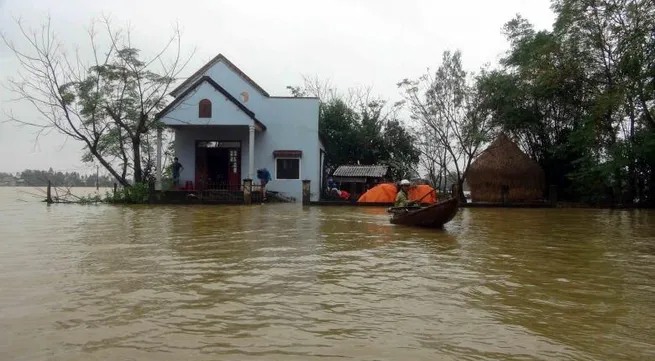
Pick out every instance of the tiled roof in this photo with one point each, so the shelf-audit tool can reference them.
(375, 171)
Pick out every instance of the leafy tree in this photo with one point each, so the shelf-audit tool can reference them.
(108, 105)
(577, 97)
(580, 98)
(340, 127)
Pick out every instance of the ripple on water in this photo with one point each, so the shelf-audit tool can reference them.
(292, 283)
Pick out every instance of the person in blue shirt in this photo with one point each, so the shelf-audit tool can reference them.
(264, 177)
(333, 188)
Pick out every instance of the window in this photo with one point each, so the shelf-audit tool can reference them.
(205, 109)
(287, 168)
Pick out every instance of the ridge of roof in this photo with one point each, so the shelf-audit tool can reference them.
(217, 59)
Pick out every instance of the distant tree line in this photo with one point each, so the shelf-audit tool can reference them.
(40, 178)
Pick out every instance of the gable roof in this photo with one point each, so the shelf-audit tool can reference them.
(220, 58)
(373, 171)
(222, 90)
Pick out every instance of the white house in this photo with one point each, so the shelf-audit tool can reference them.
(226, 127)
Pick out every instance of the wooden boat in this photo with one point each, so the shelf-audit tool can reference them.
(433, 216)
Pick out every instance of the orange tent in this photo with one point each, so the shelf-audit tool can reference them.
(386, 193)
(381, 193)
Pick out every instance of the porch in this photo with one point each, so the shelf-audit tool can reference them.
(214, 157)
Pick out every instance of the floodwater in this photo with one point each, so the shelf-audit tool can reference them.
(279, 282)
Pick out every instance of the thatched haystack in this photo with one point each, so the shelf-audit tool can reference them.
(504, 172)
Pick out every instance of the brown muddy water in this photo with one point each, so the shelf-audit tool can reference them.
(283, 282)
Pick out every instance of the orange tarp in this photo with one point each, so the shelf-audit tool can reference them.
(381, 193)
(386, 193)
(420, 191)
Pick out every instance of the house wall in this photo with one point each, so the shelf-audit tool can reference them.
(291, 124)
(224, 112)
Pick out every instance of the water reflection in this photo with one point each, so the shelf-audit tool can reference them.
(290, 282)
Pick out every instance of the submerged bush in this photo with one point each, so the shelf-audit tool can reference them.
(136, 194)
(90, 199)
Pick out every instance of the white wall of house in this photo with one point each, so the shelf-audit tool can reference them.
(291, 124)
(224, 112)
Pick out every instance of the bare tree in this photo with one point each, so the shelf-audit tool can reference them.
(433, 159)
(446, 107)
(107, 103)
(358, 97)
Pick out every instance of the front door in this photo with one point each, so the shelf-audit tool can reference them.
(234, 171)
(218, 164)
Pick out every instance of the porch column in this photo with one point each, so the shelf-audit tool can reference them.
(251, 152)
(159, 170)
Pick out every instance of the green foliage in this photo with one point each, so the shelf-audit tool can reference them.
(125, 93)
(90, 199)
(339, 125)
(138, 193)
(109, 105)
(580, 99)
(403, 154)
(366, 136)
(362, 132)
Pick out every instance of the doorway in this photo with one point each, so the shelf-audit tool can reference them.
(218, 165)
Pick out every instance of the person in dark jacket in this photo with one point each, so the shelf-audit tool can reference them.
(176, 169)
(264, 177)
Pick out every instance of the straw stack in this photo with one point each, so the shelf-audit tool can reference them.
(504, 164)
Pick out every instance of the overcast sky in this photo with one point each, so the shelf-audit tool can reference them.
(350, 42)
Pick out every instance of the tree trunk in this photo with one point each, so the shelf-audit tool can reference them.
(460, 190)
(136, 151)
(632, 177)
(108, 167)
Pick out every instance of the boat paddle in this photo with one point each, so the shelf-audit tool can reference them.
(427, 194)
(417, 202)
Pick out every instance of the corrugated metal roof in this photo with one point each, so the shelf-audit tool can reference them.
(375, 171)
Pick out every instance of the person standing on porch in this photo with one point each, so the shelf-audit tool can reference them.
(264, 177)
(176, 169)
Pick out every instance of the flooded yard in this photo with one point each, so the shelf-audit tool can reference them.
(283, 282)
